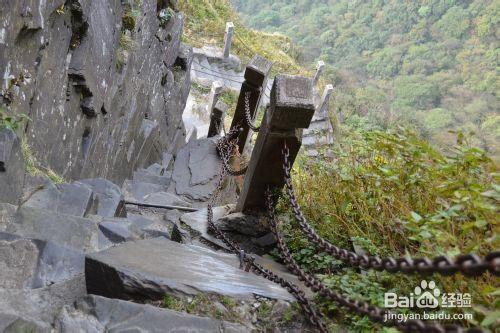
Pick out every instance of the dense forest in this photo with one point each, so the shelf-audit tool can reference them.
(432, 64)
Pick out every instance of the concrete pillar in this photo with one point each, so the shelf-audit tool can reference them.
(214, 94)
(291, 110)
(217, 119)
(256, 74)
(228, 38)
(319, 70)
(322, 108)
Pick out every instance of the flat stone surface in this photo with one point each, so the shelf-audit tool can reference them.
(149, 269)
(197, 221)
(34, 310)
(65, 230)
(137, 190)
(147, 177)
(293, 103)
(164, 198)
(195, 169)
(33, 263)
(100, 314)
(73, 199)
(109, 196)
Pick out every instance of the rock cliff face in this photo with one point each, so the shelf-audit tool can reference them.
(104, 82)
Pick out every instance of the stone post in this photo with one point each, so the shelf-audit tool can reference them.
(322, 109)
(228, 38)
(214, 94)
(217, 119)
(319, 70)
(291, 110)
(256, 74)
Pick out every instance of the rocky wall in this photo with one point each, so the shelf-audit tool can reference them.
(104, 82)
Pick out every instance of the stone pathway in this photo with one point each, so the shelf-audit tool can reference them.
(78, 257)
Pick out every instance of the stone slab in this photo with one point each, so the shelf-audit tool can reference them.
(99, 314)
(65, 230)
(197, 221)
(72, 199)
(109, 196)
(149, 269)
(195, 169)
(33, 263)
(35, 310)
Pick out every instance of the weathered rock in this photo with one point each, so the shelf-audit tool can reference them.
(196, 168)
(11, 167)
(137, 190)
(197, 221)
(33, 263)
(37, 309)
(116, 232)
(99, 314)
(147, 177)
(99, 97)
(7, 214)
(149, 269)
(72, 199)
(244, 224)
(109, 196)
(65, 230)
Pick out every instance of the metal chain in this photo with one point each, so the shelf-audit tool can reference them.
(248, 117)
(362, 308)
(467, 264)
(225, 147)
(225, 144)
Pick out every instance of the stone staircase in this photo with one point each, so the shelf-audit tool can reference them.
(89, 256)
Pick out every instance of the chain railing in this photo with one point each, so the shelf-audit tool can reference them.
(467, 264)
(225, 146)
(248, 116)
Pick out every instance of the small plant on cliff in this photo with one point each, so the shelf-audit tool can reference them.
(12, 121)
(34, 169)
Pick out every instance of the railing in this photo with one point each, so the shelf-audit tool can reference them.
(268, 172)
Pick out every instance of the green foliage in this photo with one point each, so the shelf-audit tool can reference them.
(12, 121)
(34, 169)
(392, 194)
(418, 55)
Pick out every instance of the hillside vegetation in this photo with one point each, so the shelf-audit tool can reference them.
(388, 190)
(429, 63)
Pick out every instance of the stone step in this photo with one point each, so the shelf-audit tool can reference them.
(156, 169)
(99, 314)
(137, 190)
(35, 310)
(27, 263)
(109, 196)
(65, 230)
(74, 199)
(195, 169)
(149, 269)
(147, 177)
(133, 227)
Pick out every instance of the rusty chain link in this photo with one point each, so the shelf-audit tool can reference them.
(248, 117)
(224, 147)
(362, 308)
(467, 264)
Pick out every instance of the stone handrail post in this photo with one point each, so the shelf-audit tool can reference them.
(217, 119)
(291, 110)
(228, 38)
(319, 70)
(256, 75)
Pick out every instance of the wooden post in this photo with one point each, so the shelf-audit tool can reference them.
(319, 70)
(228, 39)
(217, 119)
(256, 74)
(291, 110)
